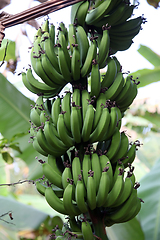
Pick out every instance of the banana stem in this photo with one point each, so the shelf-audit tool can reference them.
(98, 224)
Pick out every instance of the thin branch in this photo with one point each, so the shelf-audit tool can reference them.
(19, 182)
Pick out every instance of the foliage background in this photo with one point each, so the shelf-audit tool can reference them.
(31, 214)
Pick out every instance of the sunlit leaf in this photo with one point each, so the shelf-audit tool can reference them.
(150, 55)
(7, 50)
(147, 76)
(7, 156)
(149, 191)
(126, 231)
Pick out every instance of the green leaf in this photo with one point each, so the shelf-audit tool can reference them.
(24, 217)
(7, 157)
(126, 231)
(149, 191)
(14, 110)
(150, 55)
(147, 76)
(10, 51)
(3, 177)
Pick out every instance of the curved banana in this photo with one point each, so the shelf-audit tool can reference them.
(87, 231)
(96, 168)
(52, 161)
(63, 131)
(102, 127)
(91, 191)
(100, 104)
(52, 175)
(103, 189)
(91, 54)
(54, 201)
(87, 123)
(70, 207)
(81, 13)
(56, 110)
(75, 63)
(40, 187)
(115, 192)
(116, 87)
(83, 43)
(113, 123)
(35, 117)
(85, 99)
(76, 124)
(66, 175)
(86, 166)
(105, 162)
(95, 79)
(103, 47)
(76, 169)
(110, 74)
(80, 194)
(66, 107)
(114, 145)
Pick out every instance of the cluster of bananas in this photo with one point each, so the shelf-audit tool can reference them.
(89, 160)
(115, 14)
(91, 183)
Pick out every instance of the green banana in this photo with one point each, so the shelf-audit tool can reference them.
(95, 80)
(64, 132)
(130, 155)
(104, 47)
(70, 207)
(52, 161)
(85, 99)
(45, 26)
(66, 175)
(123, 211)
(96, 168)
(115, 192)
(126, 90)
(113, 123)
(86, 166)
(76, 169)
(56, 110)
(52, 175)
(91, 54)
(110, 74)
(53, 137)
(76, 124)
(87, 123)
(62, 41)
(45, 145)
(99, 12)
(91, 191)
(65, 71)
(74, 10)
(116, 87)
(123, 148)
(40, 187)
(80, 194)
(52, 33)
(102, 127)
(81, 13)
(87, 231)
(38, 148)
(105, 162)
(114, 145)
(83, 43)
(47, 44)
(35, 117)
(54, 201)
(100, 103)
(104, 187)
(66, 107)
(71, 36)
(75, 63)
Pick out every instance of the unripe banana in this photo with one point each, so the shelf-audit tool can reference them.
(87, 231)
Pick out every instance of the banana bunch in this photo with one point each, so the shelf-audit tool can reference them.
(115, 15)
(88, 184)
(60, 124)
